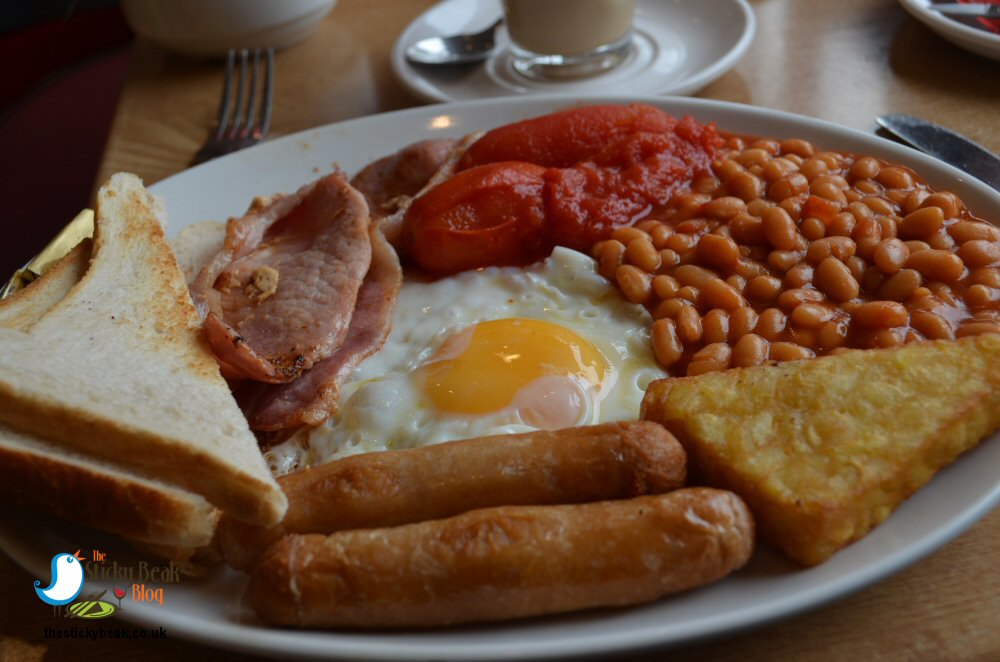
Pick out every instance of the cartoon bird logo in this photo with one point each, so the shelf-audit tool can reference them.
(67, 580)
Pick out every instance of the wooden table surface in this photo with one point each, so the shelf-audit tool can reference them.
(844, 61)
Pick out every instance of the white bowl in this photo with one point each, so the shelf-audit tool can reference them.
(212, 27)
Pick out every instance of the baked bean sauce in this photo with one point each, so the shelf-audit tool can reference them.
(786, 252)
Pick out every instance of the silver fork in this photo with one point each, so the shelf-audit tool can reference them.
(246, 121)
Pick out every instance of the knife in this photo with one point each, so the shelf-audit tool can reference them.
(946, 145)
(81, 227)
(983, 9)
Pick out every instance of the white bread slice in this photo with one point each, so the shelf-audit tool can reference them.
(196, 244)
(42, 476)
(118, 369)
(23, 308)
(39, 475)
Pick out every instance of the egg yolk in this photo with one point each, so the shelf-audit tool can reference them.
(548, 373)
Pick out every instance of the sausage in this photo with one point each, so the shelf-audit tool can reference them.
(505, 562)
(402, 174)
(608, 461)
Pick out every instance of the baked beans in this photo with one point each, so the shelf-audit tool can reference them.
(785, 252)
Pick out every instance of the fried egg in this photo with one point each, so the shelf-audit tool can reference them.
(491, 351)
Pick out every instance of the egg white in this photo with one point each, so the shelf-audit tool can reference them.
(383, 407)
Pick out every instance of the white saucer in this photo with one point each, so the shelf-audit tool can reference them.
(960, 31)
(680, 46)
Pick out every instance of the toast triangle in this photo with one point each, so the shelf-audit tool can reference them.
(40, 475)
(118, 369)
(37, 474)
(23, 308)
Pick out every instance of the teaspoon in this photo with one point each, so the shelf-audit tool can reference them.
(456, 49)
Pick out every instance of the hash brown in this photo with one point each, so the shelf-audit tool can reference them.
(824, 450)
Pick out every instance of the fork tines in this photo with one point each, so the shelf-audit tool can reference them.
(246, 121)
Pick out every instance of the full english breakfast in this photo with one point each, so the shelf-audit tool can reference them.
(445, 357)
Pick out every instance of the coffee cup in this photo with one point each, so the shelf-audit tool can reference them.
(565, 39)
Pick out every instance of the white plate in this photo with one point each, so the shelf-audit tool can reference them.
(680, 46)
(958, 30)
(768, 588)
